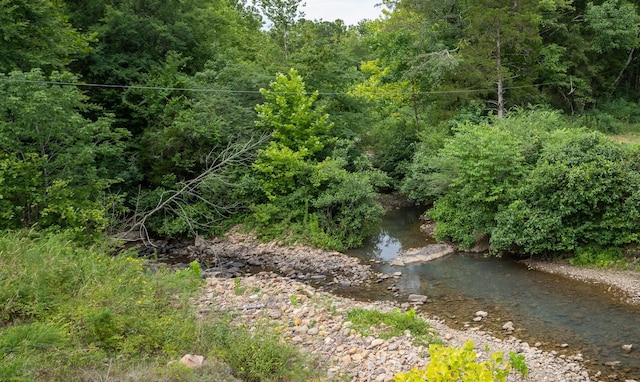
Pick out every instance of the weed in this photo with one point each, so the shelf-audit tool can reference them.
(294, 300)
(392, 324)
(452, 364)
(257, 356)
(77, 313)
(598, 257)
(237, 289)
(66, 301)
(518, 363)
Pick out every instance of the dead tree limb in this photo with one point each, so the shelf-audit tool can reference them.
(175, 200)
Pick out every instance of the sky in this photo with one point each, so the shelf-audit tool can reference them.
(349, 11)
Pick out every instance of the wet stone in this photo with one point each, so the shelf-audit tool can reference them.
(320, 324)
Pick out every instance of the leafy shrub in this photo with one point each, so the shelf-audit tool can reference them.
(614, 116)
(533, 185)
(428, 175)
(394, 142)
(597, 257)
(489, 164)
(583, 192)
(452, 365)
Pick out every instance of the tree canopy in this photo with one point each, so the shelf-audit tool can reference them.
(207, 113)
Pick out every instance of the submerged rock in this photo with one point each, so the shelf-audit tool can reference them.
(508, 326)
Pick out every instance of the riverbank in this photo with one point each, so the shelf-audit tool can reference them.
(315, 318)
(625, 284)
(316, 322)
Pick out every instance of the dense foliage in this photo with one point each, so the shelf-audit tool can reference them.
(149, 115)
(312, 180)
(448, 364)
(535, 185)
(177, 118)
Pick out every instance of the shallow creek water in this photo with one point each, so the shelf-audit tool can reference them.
(545, 308)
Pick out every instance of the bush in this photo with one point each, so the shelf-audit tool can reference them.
(612, 117)
(452, 365)
(597, 257)
(534, 186)
(394, 141)
(489, 164)
(583, 192)
(428, 175)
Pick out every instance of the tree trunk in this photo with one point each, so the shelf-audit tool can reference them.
(500, 79)
(285, 46)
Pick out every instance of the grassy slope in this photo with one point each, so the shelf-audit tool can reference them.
(75, 313)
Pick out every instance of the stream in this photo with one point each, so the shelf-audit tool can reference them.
(553, 312)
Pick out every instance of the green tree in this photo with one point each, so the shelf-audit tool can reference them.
(136, 37)
(316, 190)
(37, 34)
(284, 15)
(615, 27)
(57, 165)
(500, 47)
(196, 149)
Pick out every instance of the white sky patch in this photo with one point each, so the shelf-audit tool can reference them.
(349, 11)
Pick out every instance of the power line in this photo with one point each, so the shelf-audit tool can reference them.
(229, 91)
(127, 87)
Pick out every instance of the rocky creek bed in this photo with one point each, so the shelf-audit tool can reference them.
(315, 319)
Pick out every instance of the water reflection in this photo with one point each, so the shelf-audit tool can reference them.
(543, 307)
(399, 230)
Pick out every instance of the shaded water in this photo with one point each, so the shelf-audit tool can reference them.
(545, 308)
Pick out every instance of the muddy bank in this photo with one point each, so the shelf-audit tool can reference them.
(237, 253)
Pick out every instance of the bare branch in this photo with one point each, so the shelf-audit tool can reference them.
(174, 200)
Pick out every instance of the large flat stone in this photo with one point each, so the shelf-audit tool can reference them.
(423, 254)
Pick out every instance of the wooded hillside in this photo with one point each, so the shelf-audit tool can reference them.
(173, 118)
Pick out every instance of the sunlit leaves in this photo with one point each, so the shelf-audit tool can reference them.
(313, 185)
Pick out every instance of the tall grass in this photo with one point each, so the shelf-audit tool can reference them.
(71, 312)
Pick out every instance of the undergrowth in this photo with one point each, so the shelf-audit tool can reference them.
(392, 324)
(71, 312)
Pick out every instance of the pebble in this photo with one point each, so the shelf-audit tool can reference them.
(376, 342)
(319, 325)
(350, 356)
